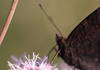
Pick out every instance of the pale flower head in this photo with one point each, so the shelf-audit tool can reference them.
(34, 63)
(65, 66)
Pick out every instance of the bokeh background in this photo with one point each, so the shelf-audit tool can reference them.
(31, 31)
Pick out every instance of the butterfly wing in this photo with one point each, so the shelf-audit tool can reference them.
(83, 44)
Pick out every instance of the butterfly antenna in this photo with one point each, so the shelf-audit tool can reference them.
(60, 33)
(50, 19)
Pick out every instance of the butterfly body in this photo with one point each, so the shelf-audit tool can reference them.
(82, 47)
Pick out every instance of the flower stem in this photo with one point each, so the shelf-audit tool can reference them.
(8, 21)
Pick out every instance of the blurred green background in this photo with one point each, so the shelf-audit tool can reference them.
(30, 30)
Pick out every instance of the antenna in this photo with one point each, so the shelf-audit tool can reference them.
(55, 26)
(50, 19)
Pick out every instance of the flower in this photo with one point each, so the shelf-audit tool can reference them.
(34, 63)
(65, 66)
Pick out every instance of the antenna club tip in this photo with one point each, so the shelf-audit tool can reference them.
(40, 5)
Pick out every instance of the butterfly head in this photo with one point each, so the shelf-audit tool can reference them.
(61, 44)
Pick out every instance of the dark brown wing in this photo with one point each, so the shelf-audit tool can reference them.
(84, 44)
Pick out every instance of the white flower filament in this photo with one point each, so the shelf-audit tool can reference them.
(34, 63)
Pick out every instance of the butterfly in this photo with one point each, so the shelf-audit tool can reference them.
(82, 47)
